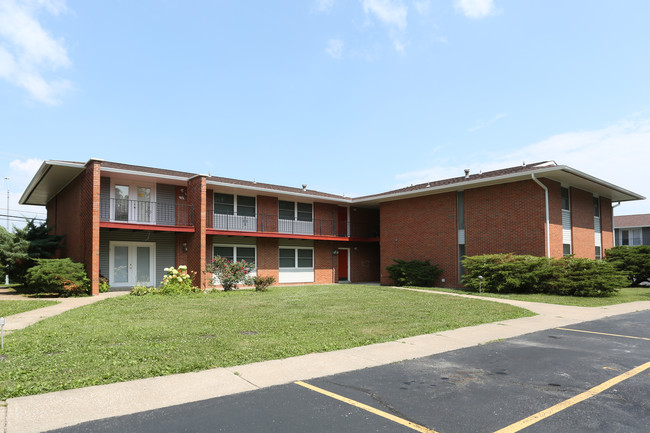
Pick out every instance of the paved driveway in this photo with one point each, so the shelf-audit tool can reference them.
(594, 376)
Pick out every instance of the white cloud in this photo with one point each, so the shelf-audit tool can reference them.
(29, 51)
(27, 167)
(422, 7)
(483, 123)
(323, 5)
(390, 12)
(475, 9)
(334, 48)
(614, 153)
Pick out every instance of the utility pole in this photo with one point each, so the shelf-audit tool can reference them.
(7, 268)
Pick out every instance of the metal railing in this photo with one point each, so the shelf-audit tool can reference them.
(146, 212)
(272, 224)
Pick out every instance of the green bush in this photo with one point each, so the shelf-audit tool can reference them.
(62, 276)
(177, 282)
(262, 283)
(143, 290)
(418, 273)
(103, 284)
(568, 275)
(634, 261)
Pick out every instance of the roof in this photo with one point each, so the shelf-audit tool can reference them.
(53, 176)
(638, 220)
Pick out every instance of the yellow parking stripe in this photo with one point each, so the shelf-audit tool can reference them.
(604, 333)
(570, 402)
(370, 409)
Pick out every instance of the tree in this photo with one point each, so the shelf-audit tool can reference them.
(19, 250)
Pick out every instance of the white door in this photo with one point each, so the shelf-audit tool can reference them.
(132, 263)
(133, 203)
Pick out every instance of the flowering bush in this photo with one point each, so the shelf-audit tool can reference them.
(177, 281)
(230, 273)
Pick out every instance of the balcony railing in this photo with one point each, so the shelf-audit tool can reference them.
(272, 224)
(146, 212)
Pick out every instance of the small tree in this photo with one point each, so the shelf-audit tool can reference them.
(633, 261)
(230, 273)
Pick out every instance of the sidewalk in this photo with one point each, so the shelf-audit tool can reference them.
(65, 408)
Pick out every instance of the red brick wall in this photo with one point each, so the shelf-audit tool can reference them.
(267, 258)
(64, 214)
(181, 202)
(582, 223)
(325, 216)
(209, 208)
(181, 256)
(422, 228)
(196, 242)
(606, 226)
(325, 262)
(267, 211)
(90, 199)
(364, 261)
(506, 218)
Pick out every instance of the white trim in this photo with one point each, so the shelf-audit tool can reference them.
(234, 247)
(132, 271)
(133, 186)
(297, 274)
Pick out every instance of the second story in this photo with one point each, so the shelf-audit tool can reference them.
(632, 229)
(145, 198)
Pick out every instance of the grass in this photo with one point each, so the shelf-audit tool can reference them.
(7, 308)
(129, 337)
(626, 294)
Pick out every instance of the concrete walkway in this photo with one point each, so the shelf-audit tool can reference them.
(65, 408)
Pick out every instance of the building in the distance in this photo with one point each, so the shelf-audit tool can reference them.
(632, 229)
(129, 222)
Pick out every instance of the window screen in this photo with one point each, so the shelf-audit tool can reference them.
(286, 210)
(566, 205)
(305, 258)
(566, 249)
(246, 253)
(245, 206)
(304, 212)
(224, 204)
(287, 258)
(225, 252)
(596, 207)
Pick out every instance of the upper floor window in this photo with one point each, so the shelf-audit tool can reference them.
(566, 204)
(596, 207)
(288, 210)
(229, 204)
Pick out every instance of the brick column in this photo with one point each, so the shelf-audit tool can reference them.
(89, 204)
(196, 242)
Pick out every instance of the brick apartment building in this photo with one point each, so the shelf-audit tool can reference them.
(129, 222)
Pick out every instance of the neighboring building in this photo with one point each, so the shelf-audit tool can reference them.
(632, 229)
(129, 222)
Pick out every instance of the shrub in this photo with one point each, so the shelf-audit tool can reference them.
(230, 273)
(633, 261)
(419, 273)
(103, 284)
(262, 283)
(62, 276)
(143, 290)
(506, 272)
(528, 274)
(177, 282)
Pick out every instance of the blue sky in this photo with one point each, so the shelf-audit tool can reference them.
(348, 96)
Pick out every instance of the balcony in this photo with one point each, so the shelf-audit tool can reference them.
(272, 224)
(145, 212)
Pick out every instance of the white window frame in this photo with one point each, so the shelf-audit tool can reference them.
(234, 247)
(235, 222)
(132, 246)
(296, 226)
(296, 274)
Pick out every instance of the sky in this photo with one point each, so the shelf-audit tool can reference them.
(350, 97)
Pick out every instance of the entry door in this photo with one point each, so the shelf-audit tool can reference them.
(343, 221)
(344, 274)
(132, 264)
(133, 203)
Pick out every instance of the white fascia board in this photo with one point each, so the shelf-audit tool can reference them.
(606, 184)
(144, 174)
(40, 174)
(280, 192)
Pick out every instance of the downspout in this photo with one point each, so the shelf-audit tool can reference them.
(618, 203)
(548, 222)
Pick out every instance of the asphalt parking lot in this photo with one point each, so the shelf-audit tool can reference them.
(594, 376)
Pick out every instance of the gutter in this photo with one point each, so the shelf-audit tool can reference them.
(548, 222)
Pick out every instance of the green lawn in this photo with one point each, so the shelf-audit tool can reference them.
(627, 294)
(7, 308)
(132, 337)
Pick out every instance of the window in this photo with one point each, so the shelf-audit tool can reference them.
(226, 204)
(301, 258)
(289, 211)
(598, 256)
(235, 253)
(631, 237)
(596, 207)
(566, 249)
(461, 210)
(566, 204)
